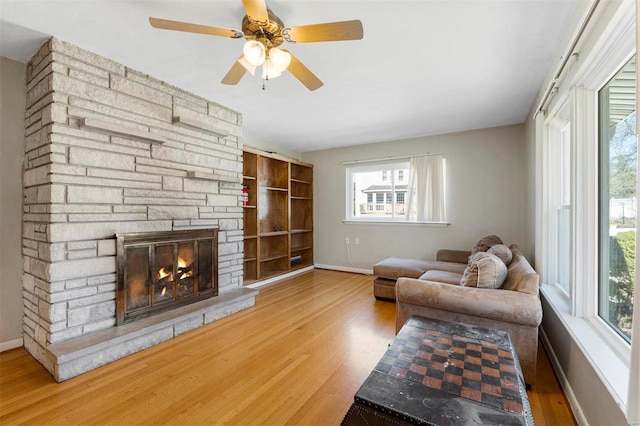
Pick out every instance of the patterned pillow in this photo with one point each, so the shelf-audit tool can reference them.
(503, 252)
(484, 270)
(485, 243)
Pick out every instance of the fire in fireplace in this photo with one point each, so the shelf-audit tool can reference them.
(159, 271)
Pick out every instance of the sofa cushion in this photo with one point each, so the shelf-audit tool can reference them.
(485, 243)
(521, 276)
(442, 276)
(485, 270)
(396, 267)
(503, 252)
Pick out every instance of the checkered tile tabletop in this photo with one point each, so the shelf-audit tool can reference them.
(476, 366)
(444, 373)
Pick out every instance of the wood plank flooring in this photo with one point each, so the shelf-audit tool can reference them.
(296, 358)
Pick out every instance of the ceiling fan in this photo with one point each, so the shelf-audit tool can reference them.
(264, 32)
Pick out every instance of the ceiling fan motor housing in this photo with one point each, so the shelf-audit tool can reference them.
(268, 33)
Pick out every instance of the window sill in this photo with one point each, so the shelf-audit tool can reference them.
(393, 222)
(611, 366)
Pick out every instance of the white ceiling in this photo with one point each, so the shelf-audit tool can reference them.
(423, 67)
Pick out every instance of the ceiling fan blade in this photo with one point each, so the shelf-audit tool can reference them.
(330, 31)
(303, 73)
(166, 24)
(236, 72)
(256, 10)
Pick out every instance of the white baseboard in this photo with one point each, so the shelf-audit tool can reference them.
(11, 344)
(345, 269)
(280, 277)
(564, 383)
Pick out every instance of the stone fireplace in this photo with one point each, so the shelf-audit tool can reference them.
(112, 151)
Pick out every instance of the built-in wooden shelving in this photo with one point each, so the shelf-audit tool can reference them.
(278, 215)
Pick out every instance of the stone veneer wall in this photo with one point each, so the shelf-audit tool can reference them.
(82, 186)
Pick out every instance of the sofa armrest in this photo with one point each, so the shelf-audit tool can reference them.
(495, 304)
(457, 256)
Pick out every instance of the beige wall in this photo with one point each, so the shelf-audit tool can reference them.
(12, 103)
(486, 193)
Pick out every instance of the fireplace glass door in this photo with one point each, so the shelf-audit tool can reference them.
(159, 271)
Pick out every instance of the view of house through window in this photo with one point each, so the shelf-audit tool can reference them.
(379, 191)
(411, 190)
(618, 182)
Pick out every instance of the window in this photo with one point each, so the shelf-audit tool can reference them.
(375, 182)
(618, 158)
(388, 181)
(596, 98)
(557, 270)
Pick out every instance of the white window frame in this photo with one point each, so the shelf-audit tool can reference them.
(557, 125)
(605, 349)
(393, 166)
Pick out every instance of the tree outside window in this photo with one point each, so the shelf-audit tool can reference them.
(618, 182)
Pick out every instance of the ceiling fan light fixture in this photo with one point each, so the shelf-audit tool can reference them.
(279, 58)
(254, 52)
(250, 68)
(269, 71)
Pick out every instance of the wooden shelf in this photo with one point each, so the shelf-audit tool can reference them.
(280, 196)
(274, 257)
(273, 234)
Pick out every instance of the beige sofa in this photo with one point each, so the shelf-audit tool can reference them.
(432, 289)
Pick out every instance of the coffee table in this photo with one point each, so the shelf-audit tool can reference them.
(444, 373)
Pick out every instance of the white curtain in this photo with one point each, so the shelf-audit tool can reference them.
(425, 191)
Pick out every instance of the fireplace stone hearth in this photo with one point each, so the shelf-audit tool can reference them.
(76, 356)
(107, 152)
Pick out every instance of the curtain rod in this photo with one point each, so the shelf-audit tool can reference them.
(402, 157)
(553, 85)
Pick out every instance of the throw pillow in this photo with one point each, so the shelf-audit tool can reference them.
(484, 270)
(485, 243)
(503, 252)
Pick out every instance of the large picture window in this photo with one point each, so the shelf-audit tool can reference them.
(373, 190)
(618, 176)
(381, 192)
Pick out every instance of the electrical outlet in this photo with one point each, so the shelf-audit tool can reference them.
(357, 240)
(346, 240)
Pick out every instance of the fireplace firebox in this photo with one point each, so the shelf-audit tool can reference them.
(160, 271)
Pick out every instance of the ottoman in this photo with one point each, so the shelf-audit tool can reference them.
(387, 271)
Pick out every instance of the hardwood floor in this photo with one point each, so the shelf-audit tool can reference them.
(297, 358)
